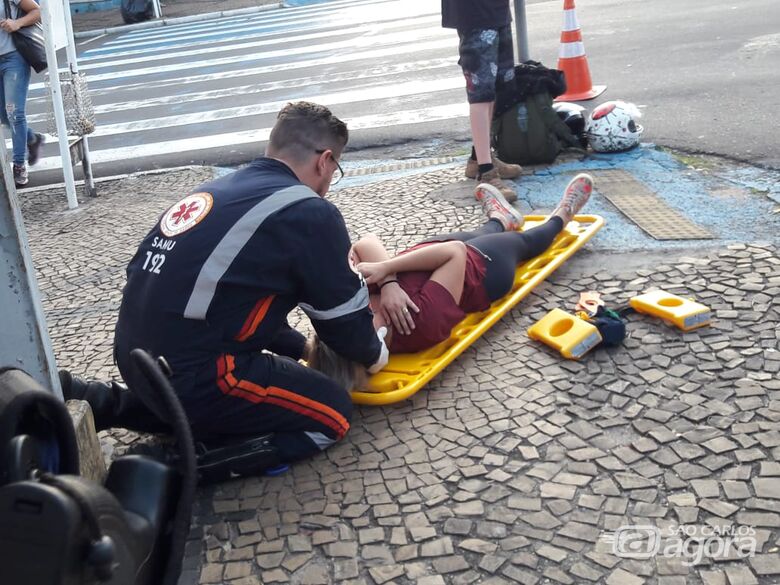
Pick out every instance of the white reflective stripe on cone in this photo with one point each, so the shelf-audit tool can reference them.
(570, 21)
(571, 50)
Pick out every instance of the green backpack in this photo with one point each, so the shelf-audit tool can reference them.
(526, 128)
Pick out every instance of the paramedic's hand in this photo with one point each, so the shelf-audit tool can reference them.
(373, 272)
(396, 307)
(384, 355)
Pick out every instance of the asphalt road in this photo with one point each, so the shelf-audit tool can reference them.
(705, 77)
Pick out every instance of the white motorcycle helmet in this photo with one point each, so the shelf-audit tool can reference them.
(612, 127)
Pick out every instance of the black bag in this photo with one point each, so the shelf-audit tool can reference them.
(136, 11)
(29, 42)
(526, 128)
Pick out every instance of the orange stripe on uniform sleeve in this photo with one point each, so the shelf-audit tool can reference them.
(256, 316)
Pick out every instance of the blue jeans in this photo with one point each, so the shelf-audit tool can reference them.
(15, 72)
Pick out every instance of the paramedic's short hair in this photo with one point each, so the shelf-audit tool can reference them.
(302, 128)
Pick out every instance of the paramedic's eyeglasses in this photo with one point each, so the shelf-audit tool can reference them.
(340, 173)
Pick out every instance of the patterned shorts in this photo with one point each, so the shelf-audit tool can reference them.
(484, 56)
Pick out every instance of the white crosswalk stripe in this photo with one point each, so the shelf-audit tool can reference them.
(206, 89)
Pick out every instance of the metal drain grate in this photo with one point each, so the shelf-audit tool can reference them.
(646, 209)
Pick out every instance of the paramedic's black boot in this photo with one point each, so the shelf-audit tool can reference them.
(241, 457)
(113, 405)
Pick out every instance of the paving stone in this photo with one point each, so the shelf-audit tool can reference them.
(766, 487)
(580, 531)
(478, 546)
(472, 508)
(552, 553)
(519, 575)
(450, 564)
(705, 488)
(293, 562)
(720, 445)
(270, 560)
(383, 574)
(740, 575)
(541, 519)
(376, 552)
(557, 575)
(720, 509)
(312, 574)
(621, 577)
(275, 576)
(421, 533)
(524, 503)
(433, 580)
(346, 569)
(557, 490)
(437, 548)
(458, 526)
(513, 543)
(212, 573)
(585, 571)
(766, 564)
(491, 563)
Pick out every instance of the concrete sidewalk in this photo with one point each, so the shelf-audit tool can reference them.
(102, 19)
(514, 465)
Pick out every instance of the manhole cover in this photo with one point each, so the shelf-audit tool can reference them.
(646, 209)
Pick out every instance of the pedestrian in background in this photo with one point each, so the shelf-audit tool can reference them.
(486, 54)
(15, 73)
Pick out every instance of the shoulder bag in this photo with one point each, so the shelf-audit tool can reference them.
(28, 40)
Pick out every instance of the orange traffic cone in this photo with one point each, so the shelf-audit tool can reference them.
(572, 60)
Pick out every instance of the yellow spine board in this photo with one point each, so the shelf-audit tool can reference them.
(683, 313)
(405, 374)
(570, 335)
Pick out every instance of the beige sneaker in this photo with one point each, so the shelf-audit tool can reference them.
(495, 206)
(575, 196)
(493, 178)
(505, 170)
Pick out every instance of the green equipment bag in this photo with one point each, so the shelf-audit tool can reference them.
(526, 128)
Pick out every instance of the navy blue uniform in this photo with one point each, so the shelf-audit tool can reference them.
(211, 286)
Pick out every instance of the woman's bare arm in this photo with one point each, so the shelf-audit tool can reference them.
(446, 261)
(394, 303)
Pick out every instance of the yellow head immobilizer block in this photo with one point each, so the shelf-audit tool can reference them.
(683, 313)
(570, 335)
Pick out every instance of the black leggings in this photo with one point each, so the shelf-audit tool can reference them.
(505, 250)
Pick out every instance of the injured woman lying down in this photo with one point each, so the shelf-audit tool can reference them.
(448, 276)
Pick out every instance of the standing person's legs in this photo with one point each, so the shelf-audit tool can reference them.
(16, 82)
(479, 58)
(261, 393)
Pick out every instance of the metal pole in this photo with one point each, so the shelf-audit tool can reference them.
(59, 112)
(521, 31)
(86, 164)
(157, 9)
(25, 341)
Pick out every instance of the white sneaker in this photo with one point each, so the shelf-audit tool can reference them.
(495, 206)
(575, 196)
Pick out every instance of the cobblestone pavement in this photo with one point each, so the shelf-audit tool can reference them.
(514, 464)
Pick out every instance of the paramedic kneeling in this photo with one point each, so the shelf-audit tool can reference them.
(212, 284)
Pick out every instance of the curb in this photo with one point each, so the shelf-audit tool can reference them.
(87, 34)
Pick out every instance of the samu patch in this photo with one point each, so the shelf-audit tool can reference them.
(186, 214)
